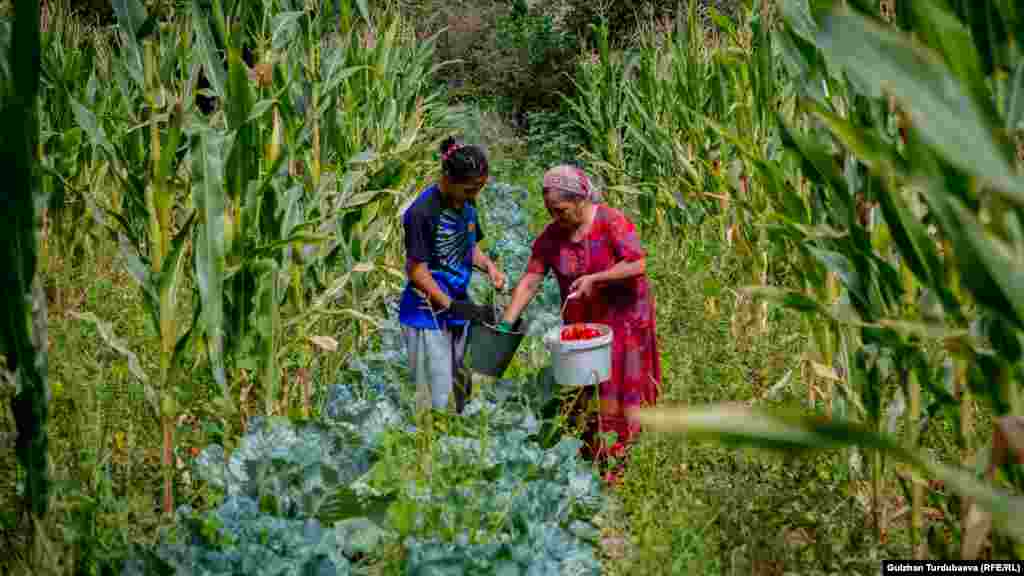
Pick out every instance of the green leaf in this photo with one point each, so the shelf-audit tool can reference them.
(364, 11)
(87, 121)
(170, 275)
(991, 270)
(206, 52)
(208, 191)
(940, 109)
(296, 240)
(283, 28)
(838, 264)
(182, 344)
(861, 141)
(131, 15)
(942, 31)
(136, 267)
(817, 162)
(259, 109)
(268, 326)
(329, 87)
(915, 245)
(787, 298)
(144, 276)
(165, 171)
(797, 14)
(1015, 100)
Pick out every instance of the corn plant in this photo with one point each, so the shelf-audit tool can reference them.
(24, 341)
(147, 210)
(300, 169)
(669, 103)
(345, 116)
(599, 110)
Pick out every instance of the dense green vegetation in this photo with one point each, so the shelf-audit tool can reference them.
(830, 192)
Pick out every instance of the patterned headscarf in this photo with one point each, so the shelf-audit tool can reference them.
(570, 183)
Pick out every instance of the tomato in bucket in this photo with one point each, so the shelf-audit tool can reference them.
(581, 353)
(579, 332)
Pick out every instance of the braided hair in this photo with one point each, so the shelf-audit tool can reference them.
(461, 162)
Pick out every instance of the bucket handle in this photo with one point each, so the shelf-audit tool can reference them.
(494, 302)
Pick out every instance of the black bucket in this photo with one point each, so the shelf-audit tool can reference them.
(491, 350)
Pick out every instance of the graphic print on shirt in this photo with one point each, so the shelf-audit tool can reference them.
(451, 244)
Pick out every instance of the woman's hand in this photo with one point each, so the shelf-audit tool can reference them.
(583, 287)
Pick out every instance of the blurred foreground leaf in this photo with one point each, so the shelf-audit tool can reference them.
(788, 429)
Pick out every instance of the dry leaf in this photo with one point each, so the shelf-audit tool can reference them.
(325, 343)
(978, 526)
(827, 372)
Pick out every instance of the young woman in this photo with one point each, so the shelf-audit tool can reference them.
(441, 235)
(595, 254)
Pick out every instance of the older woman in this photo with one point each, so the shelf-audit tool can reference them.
(595, 254)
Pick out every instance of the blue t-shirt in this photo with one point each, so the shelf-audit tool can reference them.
(444, 238)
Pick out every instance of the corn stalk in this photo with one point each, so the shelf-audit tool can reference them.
(23, 344)
(153, 243)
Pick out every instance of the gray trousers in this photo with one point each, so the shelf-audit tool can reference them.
(435, 360)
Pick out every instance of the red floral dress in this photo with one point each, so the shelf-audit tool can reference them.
(627, 306)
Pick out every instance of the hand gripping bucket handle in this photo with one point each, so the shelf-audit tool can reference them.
(492, 350)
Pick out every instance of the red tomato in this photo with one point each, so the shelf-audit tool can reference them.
(579, 332)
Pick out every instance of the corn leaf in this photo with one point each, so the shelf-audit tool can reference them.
(268, 326)
(169, 279)
(788, 299)
(206, 52)
(945, 115)
(364, 11)
(208, 191)
(131, 16)
(87, 121)
(23, 335)
(1015, 100)
(992, 271)
(283, 29)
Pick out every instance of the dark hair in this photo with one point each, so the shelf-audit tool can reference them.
(461, 162)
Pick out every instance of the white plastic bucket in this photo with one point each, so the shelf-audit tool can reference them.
(581, 362)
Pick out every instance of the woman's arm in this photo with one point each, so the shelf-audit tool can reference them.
(481, 261)
(527, 288)
(421, 278)
(631, 259)
(621, 271)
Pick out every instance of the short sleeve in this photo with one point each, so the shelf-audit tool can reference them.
(624, 238)
(539, 263)
(417, 225)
